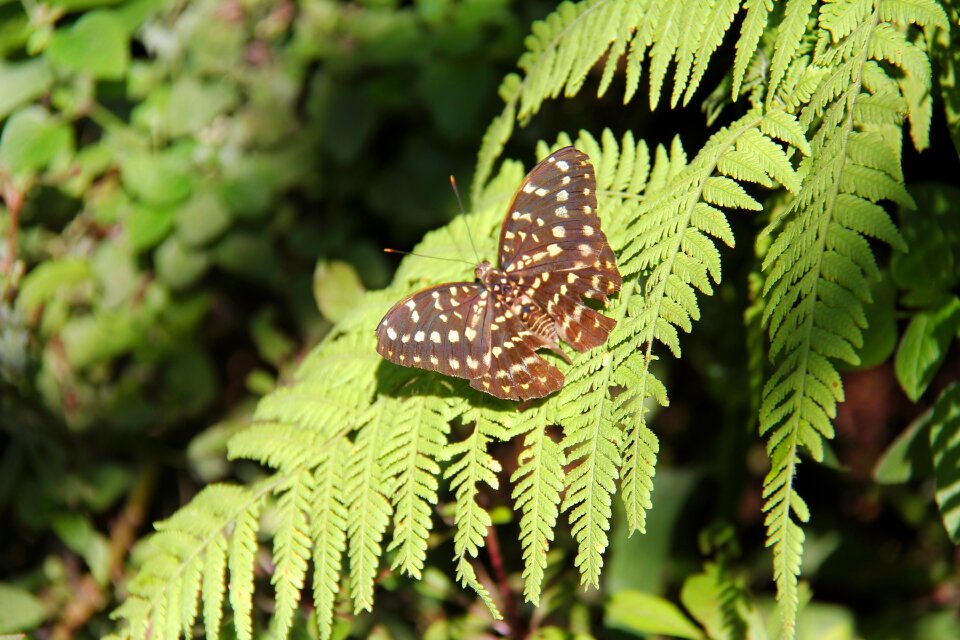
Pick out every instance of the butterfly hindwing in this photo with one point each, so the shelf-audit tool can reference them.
(517, 372)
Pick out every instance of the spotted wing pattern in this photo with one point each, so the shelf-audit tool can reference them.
(554, 252)
(444, 328)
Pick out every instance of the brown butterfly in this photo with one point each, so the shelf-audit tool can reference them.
(552, 254)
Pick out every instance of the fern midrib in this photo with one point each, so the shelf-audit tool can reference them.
(803, 360)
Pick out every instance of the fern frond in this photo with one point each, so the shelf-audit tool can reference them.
(369, 507)
(410, 465)
(291, 547)
(188, 556)
(473, 465)
(753, 25)
(819, 263)
(591, 418)
(328, 520)
(538, 482)
(569, 42)
(240, 556)
(717, 20)
(787, 46)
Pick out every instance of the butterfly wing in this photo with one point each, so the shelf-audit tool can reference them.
(553, 250)
(517, 372)
(445, 328)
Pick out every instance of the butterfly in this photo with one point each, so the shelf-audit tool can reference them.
(552, 255)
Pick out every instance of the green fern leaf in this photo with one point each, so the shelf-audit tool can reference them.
(214, 582)
(818, 266)
(240, 557)
(329, 523)
(753, 26)
(789, 36)
(717, 20)
(944, 446)
(291, 547)
(472, 466)
(369, 505)
(537, 481)
(409, 463)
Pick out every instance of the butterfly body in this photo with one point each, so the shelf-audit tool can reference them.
(552, 254)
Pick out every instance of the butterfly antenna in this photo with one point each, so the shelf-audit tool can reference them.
(421, 255)
(463, 216)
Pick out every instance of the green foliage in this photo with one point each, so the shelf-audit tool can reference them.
(398, 437)
(363, 465)
(171, 175)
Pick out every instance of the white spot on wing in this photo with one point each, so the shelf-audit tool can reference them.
(562, 195)
(391, 333)
(563, 166)
(435, 337)
(558, 232)
(418, 336)
(554, 250)
(453, 336)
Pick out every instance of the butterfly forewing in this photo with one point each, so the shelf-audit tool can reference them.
(554, 251)
(444, 328)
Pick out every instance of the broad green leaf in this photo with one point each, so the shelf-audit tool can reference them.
(945, 448)
(78, 534)
(202, 219)
(336, 288)
(179, 266)
(820, 621)
(908, 457)
(924, 346)
(700, 595)
(20, 610)
(192, 104)
(97, 44)
(640, 562)
(49, 279)
(158, 179)
(880, 336)
(191, 378)
(932, 233)
(32, 139)
(148, 226)
(641, 613)
(90, 339)
(272, 343)
(248, 255)
(22, 82)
